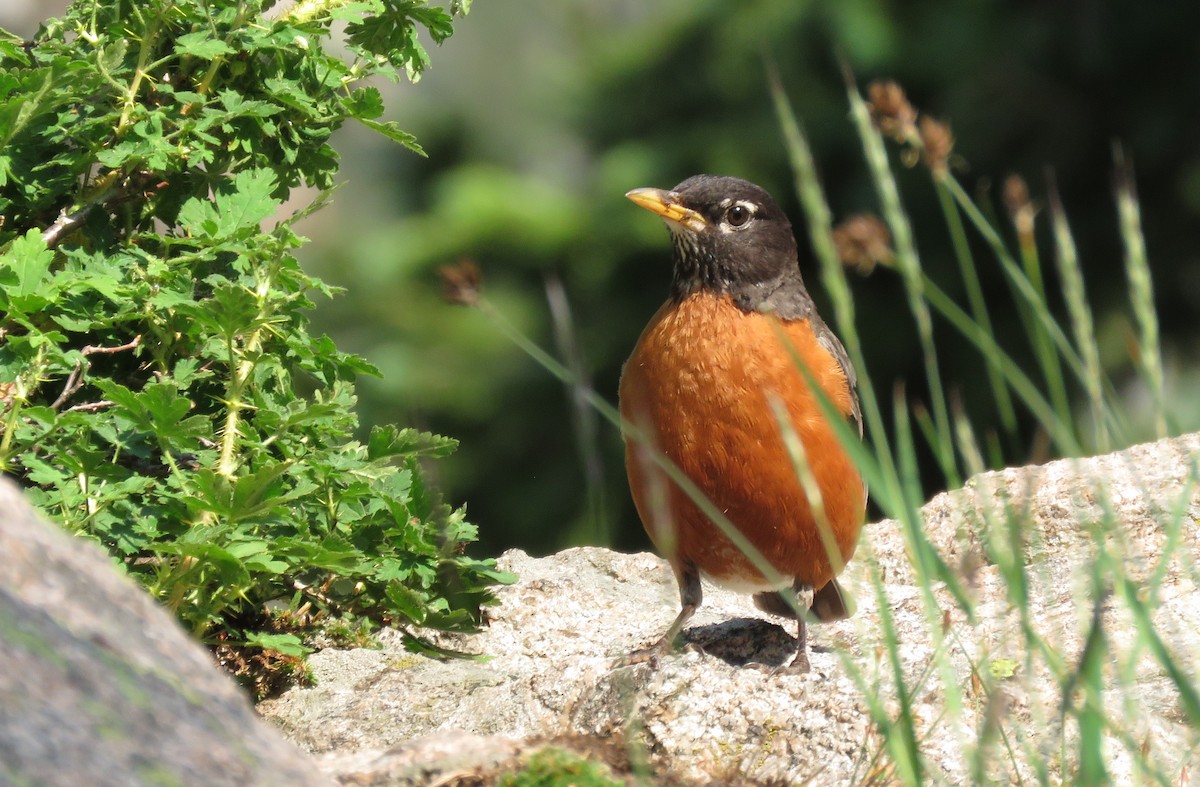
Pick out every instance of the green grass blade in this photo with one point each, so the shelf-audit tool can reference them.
(1090, 375)
(966, 264)
(909, 265)
(1022, 213)
(583, 417)
(833, 276)
(1022, 385)
(1071, 277)
(1141, 291)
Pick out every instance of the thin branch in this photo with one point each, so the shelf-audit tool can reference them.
(314, 592)
(75, 379)
(74, 383)
(130, 345)
(67, 222)
(90, 407)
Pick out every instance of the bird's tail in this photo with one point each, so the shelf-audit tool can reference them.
(830, 603)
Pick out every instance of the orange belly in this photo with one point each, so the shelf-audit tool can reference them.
(699, 387)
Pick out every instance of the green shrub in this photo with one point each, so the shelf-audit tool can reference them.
(555, 767)
(159, 389)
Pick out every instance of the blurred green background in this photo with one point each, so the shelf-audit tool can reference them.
(539, 115)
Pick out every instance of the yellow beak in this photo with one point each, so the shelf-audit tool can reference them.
(666, 204)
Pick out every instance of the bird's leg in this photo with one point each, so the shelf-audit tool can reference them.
(804, 597)
(690, 597)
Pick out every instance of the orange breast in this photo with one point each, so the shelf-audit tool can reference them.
(699, 386)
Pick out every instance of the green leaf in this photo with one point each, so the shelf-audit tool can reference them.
(487, 568)
(240, 204)
(231, 311)
(237, 105)
(111, 56)
(394, 35)
(365, 103)
(452, 620)
(330, 553)
(99, 274)
(415, 644)
(290, 94)
(202, 44)
(164, 405)
(25, 273)
(287, 644)
(257, 555)
(439, 23)
(1003, 668)
(12, 48)
(258, 493)
(38, 95)
(229, 569)
(386, 441)
(185, 371)
(158, 410)
(406, 602)
(180, 170)
(198, 217)
(248, 497)
(392, 131)
(214, 493)
(247, 199)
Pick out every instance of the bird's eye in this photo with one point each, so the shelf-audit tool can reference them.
(738, 215)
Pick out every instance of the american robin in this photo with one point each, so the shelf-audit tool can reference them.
(705, 388)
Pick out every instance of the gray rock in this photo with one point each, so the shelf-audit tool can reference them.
(99, 686)
(985, 690)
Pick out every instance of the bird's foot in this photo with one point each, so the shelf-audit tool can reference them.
(651, 655)
(798, 666)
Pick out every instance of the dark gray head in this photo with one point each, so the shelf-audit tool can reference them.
(730, 238)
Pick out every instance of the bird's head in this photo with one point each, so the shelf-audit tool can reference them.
(729, 237)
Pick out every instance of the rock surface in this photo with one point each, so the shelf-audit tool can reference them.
(985, 690)
(99, 686)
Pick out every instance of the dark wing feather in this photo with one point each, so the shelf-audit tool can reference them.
(830, 342)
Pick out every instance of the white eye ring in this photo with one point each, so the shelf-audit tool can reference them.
(739, 214)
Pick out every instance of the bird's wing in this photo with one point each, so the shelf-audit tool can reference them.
(827, 339)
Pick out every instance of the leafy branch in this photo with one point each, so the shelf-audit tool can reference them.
(146, 150)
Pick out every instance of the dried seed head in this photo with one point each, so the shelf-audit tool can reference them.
(937, 143)
(462, 283)
(862, 242)
(1020, 209)
(891, 111)
(1016, 194)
